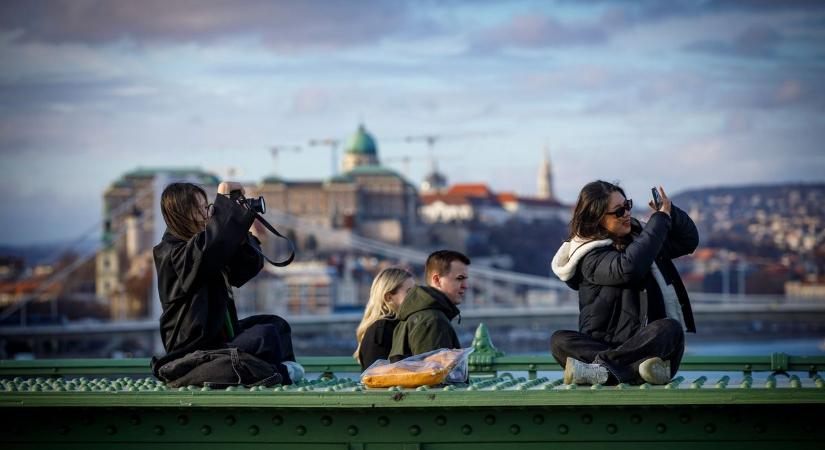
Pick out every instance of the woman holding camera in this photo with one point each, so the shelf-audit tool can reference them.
(612, 260)
(207, 249)
(374, 333)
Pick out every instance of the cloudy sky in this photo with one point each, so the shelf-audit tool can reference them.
(686, 94)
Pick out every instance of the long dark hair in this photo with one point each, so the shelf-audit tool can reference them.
(180, 208)
(592, 204)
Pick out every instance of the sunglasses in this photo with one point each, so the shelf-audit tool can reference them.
(621, 210)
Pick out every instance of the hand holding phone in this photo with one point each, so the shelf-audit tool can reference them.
(660, 201)
(657, 199)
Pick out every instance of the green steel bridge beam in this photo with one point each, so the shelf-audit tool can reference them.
(346, 364)
(90, 404)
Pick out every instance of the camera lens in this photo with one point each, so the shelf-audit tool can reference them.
(256, 204)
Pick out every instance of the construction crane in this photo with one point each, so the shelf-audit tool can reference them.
(405, 161)
(276, 150)
(430, 139)
(333, 145)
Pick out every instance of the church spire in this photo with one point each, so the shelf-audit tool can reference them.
(545, 178)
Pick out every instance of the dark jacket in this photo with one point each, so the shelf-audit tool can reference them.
(424, 323)
(377, 341)
(610, 281)
(195, 279)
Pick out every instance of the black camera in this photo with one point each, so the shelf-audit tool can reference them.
(257, 205)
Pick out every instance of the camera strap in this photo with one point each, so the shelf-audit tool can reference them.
(276, 233)
(237, 196)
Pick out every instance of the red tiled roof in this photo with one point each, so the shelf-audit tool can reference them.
(704, 254)
(27, 286)
(470, 190)
(507, 197)
(693, 277)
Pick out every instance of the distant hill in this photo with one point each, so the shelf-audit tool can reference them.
(772, 190)
(765, 220)
(46, 253)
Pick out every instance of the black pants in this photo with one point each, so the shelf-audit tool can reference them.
(267, 337)
(663, 338)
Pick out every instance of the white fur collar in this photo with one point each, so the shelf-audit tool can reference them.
(571, 252)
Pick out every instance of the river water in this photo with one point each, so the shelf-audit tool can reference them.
(803, 346)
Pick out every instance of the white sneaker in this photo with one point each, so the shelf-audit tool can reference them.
(295, 371)
(577, 372)
(655, 371)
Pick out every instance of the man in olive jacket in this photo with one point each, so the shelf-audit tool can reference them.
(425, 315)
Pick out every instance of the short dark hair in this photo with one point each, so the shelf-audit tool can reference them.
(439, 262)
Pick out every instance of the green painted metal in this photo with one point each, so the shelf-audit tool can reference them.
(714, 402)
(483, 362)
(760, 427)
(346, 393)
(140, 366)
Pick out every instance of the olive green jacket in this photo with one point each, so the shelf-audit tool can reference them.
(424, 323)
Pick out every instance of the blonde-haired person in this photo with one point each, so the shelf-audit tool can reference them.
(374, 333)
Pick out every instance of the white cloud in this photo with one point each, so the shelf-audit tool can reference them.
(634, 107)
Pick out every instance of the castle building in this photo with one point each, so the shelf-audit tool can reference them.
(475, 202)
(368, 198)
(360, 150)
(123, 266)
(434, 181)
(371, 200)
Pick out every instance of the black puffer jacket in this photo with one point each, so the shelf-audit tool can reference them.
(610, 281)
(377, 341)
(195, 279)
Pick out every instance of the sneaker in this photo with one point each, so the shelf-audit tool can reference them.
(577, 372)
(295, 370)
(655, 371)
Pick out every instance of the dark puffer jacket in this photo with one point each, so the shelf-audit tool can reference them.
(377, 341)
(610, 281)
(195, 279)
(424, 323)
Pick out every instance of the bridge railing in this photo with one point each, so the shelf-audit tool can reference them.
(485, 360)
(776, 362)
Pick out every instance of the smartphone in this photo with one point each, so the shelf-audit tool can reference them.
(657, 199)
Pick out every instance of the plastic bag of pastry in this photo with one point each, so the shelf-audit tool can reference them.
(427, 369)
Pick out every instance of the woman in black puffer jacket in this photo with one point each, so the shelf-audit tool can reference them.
(612, 260)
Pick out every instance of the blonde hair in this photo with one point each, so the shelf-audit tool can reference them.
(386, 282)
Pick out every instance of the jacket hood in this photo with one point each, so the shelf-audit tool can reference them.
(571, 252)
(420, 298)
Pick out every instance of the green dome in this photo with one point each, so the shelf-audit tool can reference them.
(273, 179)
(361, 143)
